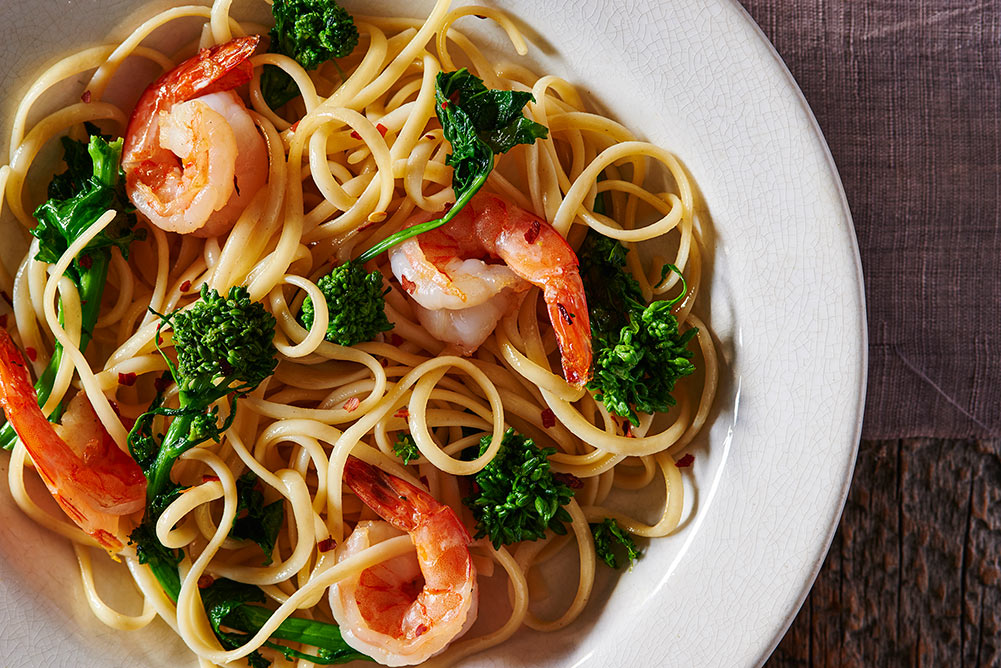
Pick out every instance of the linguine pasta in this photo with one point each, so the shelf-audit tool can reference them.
(348, 164)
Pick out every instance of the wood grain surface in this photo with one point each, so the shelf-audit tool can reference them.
(912, 578)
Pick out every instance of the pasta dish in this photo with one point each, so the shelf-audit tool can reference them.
(330, 324)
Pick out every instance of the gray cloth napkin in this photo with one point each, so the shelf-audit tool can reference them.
(908, 93)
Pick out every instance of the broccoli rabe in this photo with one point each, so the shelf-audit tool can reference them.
(224, 348)
(355, 304)
(479, 123)
(311, 32)
(406, 448)
(91, 185)
(516, 496)
(639, 352)
(607, 535)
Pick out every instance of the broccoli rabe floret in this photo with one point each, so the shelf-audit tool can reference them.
(516, 496)
(355, 304)
(607, 534)
(311, 32)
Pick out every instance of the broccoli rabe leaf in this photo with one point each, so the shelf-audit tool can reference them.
(612, 292)
(254, 520)
(516, 496)
(406, 448)
(607, 535)
(311, 32)
(62, 220)
(478, 122)
(161, 560)
(355, 304)
(91, 185)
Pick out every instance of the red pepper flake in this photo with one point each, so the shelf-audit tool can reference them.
(161, 384)
(127, 379)
(85, 262)
(185, 286)
(210, 478)
(627, 428)
(382, 129)
(294, 126)
(3, 321)
(444, 105)
(85, 98)
(402, 413)
(352, 404)
(205, 581)
(355, 135)
(532, 233)
(429, 136)
(548, 418)
(420, 630)
(31, 353)
(687, 460)
(407, 284)
(569, 479)
(326, 545)
(395, 339)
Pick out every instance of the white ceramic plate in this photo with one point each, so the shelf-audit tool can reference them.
(698, 77)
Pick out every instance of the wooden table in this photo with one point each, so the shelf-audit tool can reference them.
(912, 577)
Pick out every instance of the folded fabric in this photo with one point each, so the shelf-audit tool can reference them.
(908, 94)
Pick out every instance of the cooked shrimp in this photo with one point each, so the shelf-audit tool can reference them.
(449, 269)
(407, 609)
(193, 158)
(93, 481)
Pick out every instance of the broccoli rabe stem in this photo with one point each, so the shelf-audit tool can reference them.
(175, 443)
(414, 230)
(91, 290)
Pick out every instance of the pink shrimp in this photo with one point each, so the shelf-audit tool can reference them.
(93, 481)
(462, 293)
(193, 158)
(407, 609)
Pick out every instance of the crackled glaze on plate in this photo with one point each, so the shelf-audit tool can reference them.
(785, 300)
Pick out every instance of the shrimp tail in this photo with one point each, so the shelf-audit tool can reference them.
(397, 501)
(96, 483)
(567, 308)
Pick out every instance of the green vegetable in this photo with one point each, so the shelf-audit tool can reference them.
(226, 604)
(311, 32)
(92, 184)
(516, 496)
(607, 535)
(406, 448)
(355, 302)
(254, 520)
(639, 353)
(224, 349)
(479, 123)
